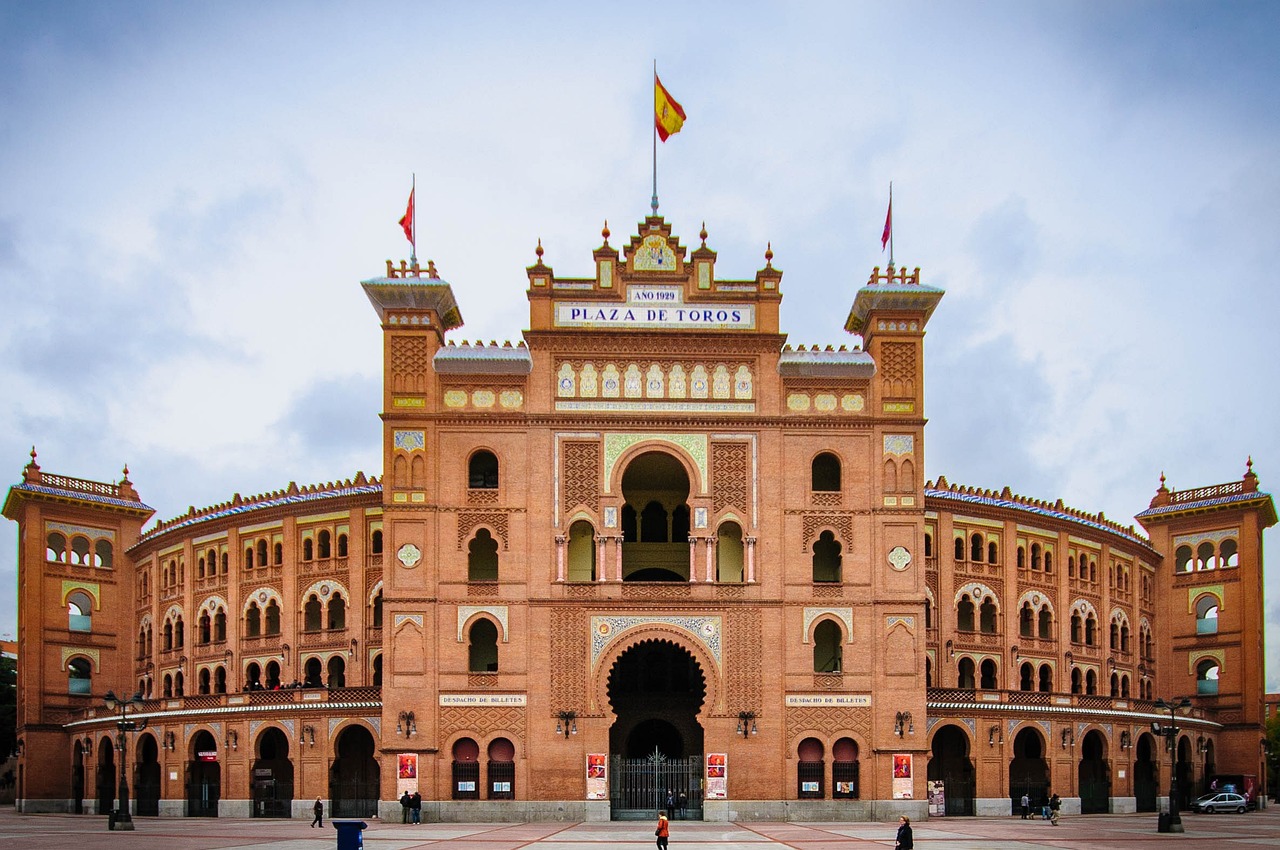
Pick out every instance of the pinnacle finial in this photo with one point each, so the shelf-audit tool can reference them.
(538, 250)
(768, 255)
(605, 233)
(702, 234)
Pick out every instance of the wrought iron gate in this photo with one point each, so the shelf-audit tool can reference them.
(638, 788)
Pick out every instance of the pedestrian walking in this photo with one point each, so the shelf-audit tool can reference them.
(1044, 806)
(1026, 806)
(905, 840)
(1055, 803)
(319, 810)
(415, 807)
(663, 832)
(405, 802)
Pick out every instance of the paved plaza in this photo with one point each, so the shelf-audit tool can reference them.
(1096, 832)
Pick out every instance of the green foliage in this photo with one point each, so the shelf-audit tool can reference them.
(8, 705)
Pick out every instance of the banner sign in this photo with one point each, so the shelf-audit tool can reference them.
(717, 777)
(597, 776)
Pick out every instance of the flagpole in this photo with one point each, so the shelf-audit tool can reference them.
(654, 201)
(413, 243)
(890, 224)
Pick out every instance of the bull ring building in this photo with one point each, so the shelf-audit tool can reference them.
(650, 549)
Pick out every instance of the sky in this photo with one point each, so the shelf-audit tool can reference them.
(191, 193)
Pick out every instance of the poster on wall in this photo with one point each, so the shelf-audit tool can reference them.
(597, 777)
(406, 773)
(937, 799)
(902, 776)
(717, 785)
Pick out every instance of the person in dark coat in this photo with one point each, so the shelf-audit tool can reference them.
(905, 840)
(405, 802)
(319, 810)
(416, 807)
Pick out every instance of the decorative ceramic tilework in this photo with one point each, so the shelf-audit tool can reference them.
(798, 402)
(71, 530)
(899, 444)
(844, 615)
(824, 403)
(411, 441)
(890, 622)
(498, 612)
(91, 588)
(213, 603)
(482, 398)
(605, 630)
(455, 398)
(976, 590)
(401, 619)
(611, 517)
(511, 399)
(262, 596)
(899, 558)
(70, 651)
(699, 517)
(326, 588)
(852, 402)
(696, 445)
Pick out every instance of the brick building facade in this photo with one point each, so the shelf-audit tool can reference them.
(649, 550)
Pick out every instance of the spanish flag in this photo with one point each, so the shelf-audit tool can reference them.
(668, 116)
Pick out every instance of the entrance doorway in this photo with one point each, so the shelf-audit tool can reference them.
(949, 763)
(146, 782)
(1094, 776)
(204, 779)
(656, 690)
(272, 776)
(1146, 774)
(1028, 772)
(106, 779)
(353, 780)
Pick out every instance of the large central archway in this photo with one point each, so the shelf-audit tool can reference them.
(656, 690)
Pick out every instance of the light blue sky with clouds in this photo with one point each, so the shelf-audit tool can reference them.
(190, 194)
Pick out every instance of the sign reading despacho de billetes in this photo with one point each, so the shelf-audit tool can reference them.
(845, 700)
(483, 699)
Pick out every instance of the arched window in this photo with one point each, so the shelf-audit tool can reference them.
(312, 671)
(311, 614)
(928, 545)
(928, 672)
(1022, 558)
(337, 670)
(55, 548)
(1046, 678)
(965, 674)
(204, 628)
(1035, 556)
(1091, 631)
(80, 551)
(273, 675)
(1077, 625)
(581, 552)
(337, 611)
(204, 682)
(377, 610)
(375, 541)
(1091, 683)
(992, 552)
(827, 647)
(482, 557)
(273, 618)
(308, 550)
(1230, 554)
(220, 680)
(729, 553)
(253, 677)
(928, 613)
(988, 674)
(1077, 681)
(810, 769)
(179, 634)
(277, 554)
(167, 643)
(1114, 636)
(79, 677)
(844, 769)
(1026, 678)
(1115, 685)
(825, 473)
(179, 686)
(252, 620)
(1207, 615)
(1045, 623)
(987, 616)
(964, 614)
(262, 552)
(1206, 677)
(220, 626)
(80, 612)
(342, 545)
(168, 685)
(1204, 556)
(1048, 560)
(482, 471)
(975, 548)
(482, 650)
(826, 558)
(1026, 620)
(323, 545)
(959, 549)
(653, 523)
(377, 670)
(248, 557)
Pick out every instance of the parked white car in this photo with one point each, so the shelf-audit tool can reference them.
(1221, 802)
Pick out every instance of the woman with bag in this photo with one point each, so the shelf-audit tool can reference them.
(663, 830)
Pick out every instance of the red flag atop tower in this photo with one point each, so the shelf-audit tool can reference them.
(406, 221)
(888, 224)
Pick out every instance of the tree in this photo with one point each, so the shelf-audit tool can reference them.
(8, 705)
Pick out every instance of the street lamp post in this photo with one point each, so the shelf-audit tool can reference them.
(1171, 734)
(122, 819)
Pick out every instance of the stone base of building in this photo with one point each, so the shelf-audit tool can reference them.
(994, 807)
(46, 807)
(1124, 805)
(811, 811)
(226, 808)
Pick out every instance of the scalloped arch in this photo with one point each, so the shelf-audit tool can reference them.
(713, 699)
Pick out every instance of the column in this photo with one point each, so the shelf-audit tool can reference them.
(617, 551)
(711, 558)
(600, 571)
(561, 542)
(751, 559)
(693, 560)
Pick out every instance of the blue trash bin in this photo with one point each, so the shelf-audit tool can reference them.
(350, 834)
